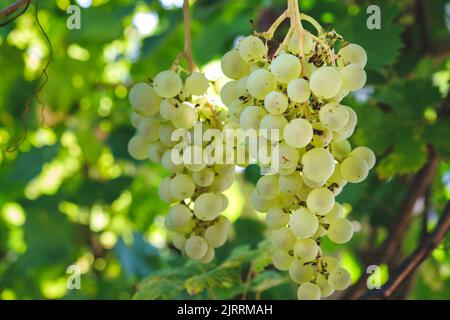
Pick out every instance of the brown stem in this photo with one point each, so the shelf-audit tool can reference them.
(420, 184)
(187, 37)
(13, 8)
(411, 263)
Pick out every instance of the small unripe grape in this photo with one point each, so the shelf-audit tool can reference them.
(197, 84)
(138, 148)
(252, 49)
(308, 291)
(298, 133)
(341, 149)
(207, 206)
(325, 82)
(196, 247)
(366, 154)
(354, 169)
(303, 223)
(354, 53)
(144, 99)
(260, 83)
(339, 279)
(286, 67)
(167, 84)
(340, 230)
(182, 187)
(320, 201)
(283, 238)
(282, 260)
(298, 90)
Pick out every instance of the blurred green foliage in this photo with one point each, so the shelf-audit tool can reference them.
(71, 195)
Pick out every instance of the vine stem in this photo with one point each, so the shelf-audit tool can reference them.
(273, 28)
(296, 22)
(13, 8)
(187, 37)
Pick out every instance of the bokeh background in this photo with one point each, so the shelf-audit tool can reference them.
(70, 195)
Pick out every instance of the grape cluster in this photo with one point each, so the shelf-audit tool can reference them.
(194, 188)
(298, 92)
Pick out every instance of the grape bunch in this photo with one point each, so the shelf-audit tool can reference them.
(195, 187)
(298, 92)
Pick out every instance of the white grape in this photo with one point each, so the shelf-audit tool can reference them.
(168, 163)
(303, 223)
(203, 178)
(353, 77)
(320, 201)
(182, 187)
(313, 184)
(340, 230)
(298, 90)
(165, 134)
(155, 152)
(209, 255)
(354, 169)
(292, 183)
(233, 66)
(179, 241)
(348, 129)
(185, 117)
(318, 164)
(322, 136)
(207, 206)
(137, 147)
(167, 84)
(276, 103)
(272, 127)
(215, 236)
(221, 183)
(366, 154)
(251, 117)
(235, 110)
(283, 238)
(164, 190)
(136, 119)
(197, 84)
(144, 99)
(325, 289)
(260, 203)
(330, 263)
(286, 67)
(339, 279)
(229, 93)
(167, 110)
(298, 133)
(301, 273)
(334, 116)
(178, 217)
(282, 260)
(287, 157)
(341, 149)
(260, 83)
(276, 218)
(267, 186)
(252, 49)
(325, 82)
(307, 43)
(196, 247)
(308, 291)
(336, 212)
(354, 53)
(306, 249)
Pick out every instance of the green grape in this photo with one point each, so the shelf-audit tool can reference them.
(144, 100)
(301, 273)
(165, 134)
(298, 133)
(136, 119)
(167, 84)
(241, 87)
(185, 117)
(164, 190)
(273, 127)
(209, 256)
(322, 136)
(233, 66)
(341, 95)
(336, 182)
(330, 263)
(320, 233)
(196, 247)
(325, 82)
(308, 291)
(179, 241)
(349, 128)
(303, 223)
(304, 192)
(260, 83)
(223, 223)
(224, 169)
(203, 178)
(282, 260)
(167, 110)
(229, 93)
(276, 103)
(252, 49)
(353, 77)
(168, 163)
(325, 289)
(193, 158)
(306, 249)
(197, 84)
(225, 202)
(320, 201)
(292, 183)
(336, 212)
(267, 186)
(285, 200)
(155, 152)
(207, 206)
(178, 218)
(224, 154)
(313, 184)
(307, 43)
(366, 154)
(339, 279)
(285, 68)
(354, 169)
(333, 116)
(182, 187)
(288, 156)
(251, 117)
(260, 203)
(235, 110)
(216, 236)
(137, 148)
(340, 230)
(318, 164)
(283, 238)
(341, 149)
(298, 90)
(276, 218)
(353, 53)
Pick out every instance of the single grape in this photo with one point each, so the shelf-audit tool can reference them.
(325, 289)
(185, 117)
(167, 110)
(155, 152)
(325, 82)
(144, 99)
(196, 247)
(260, 83)
(354, 53)
(298, 133)
(137, 147)
(354, 169)
(164, 190)
(353, 77)
(339, 279)
(301, 273)
(285, 68)
(333, 116)
(251, 117)
(322, 136)
(349, 128)
(178, 217)
(260, 203)
(307, 43)
(182, 187)
(292, 183)
(229, 93)
(320, 201)
(207, 206)
(252, 49)
(215, 236)
(282, 260)
(306, 249)
(340, 230)
(167, 84)
(283, 238)
(336, 212)
(308, 291)
(179, 241)
(169, 164)
(313, 184)
(267, 186)
(233, 66)
(330, 263)
(318, 164)
(303, 223)
(276, 218)
(197, 84)
(209, 256)
(203, 178)
(272, 127)
(136, 119)
(276, 103)
(341, 149)
(298, 90)
(287, 156)
(366, 154)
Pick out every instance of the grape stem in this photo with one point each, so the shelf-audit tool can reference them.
(273, 28)
(187, 53)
